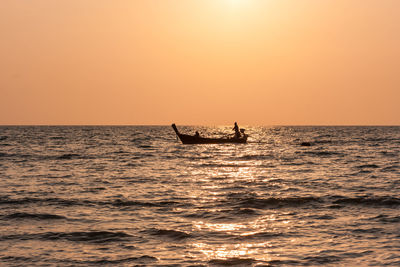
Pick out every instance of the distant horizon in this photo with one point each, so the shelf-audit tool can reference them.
(207, 125)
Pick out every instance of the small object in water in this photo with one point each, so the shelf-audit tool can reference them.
(305, 144)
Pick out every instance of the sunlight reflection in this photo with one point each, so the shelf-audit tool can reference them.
(266, 223)
(200, 225)
(247, 238)
(258, 251)
(234, 172)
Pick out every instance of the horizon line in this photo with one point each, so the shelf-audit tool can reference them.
(255, 125)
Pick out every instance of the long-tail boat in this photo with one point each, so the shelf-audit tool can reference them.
(197, 139)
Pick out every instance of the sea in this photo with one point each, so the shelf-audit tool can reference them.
(136, 196)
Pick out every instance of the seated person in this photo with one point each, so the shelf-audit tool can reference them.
(243, 134)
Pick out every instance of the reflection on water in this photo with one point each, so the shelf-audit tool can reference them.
(232, 251)
(84, 196)
(244, 238)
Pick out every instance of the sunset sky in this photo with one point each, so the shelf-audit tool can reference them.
(200, 62)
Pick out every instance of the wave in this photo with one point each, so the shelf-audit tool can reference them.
(128, 203)
(14, 259)
(284, 263)
(141, 139)
(322, 153)
(317, 142)
(388, 219)
(233, 262)
(135, 156)
(391, 168)
(54, 201)
(146, 147)
(145, 259)
(370, 201)
(368, 166)
(253, 157)
(142, 259)
(306, 144)
(260, 235)
(390, 154)
(173, 234)
(193, 157)
(57, 137)
(245, 204)
(321, 217)
(120, 152)
(379, 140)
(5, 144)
(331, 259)
(374, 230)
(66, 156)
(85, 202)
(324, 141)
(90, 236)
(245, 211)
(8, 155)
(222, 215)
(222, 165)
(322, 259)
(33, 216)
(69, 156)
(260, 203)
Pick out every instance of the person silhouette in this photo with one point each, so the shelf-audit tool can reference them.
(244, 136)
(237, 132)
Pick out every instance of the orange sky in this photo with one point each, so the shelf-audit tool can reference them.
(258, 62)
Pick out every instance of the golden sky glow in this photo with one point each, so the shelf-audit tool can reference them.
(213, 62)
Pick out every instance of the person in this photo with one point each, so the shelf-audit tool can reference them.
(197, 135)
(243, 134)
(237, 132)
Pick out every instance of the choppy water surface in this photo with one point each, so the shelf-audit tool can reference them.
(136, 196)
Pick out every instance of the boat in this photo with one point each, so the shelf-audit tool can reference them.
(197, 139)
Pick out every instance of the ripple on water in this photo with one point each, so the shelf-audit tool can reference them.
(33, 216)
(232, 262)
(273, 202)
(85, 236)
(171, 234)
(136, 196)
(386, 201)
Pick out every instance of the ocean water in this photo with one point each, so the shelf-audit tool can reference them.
(135, 196)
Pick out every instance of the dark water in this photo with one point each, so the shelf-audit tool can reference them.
(126, 196)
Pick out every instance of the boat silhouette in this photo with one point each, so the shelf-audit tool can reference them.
(197, 139)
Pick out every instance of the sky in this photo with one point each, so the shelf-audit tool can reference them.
(199, 62)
